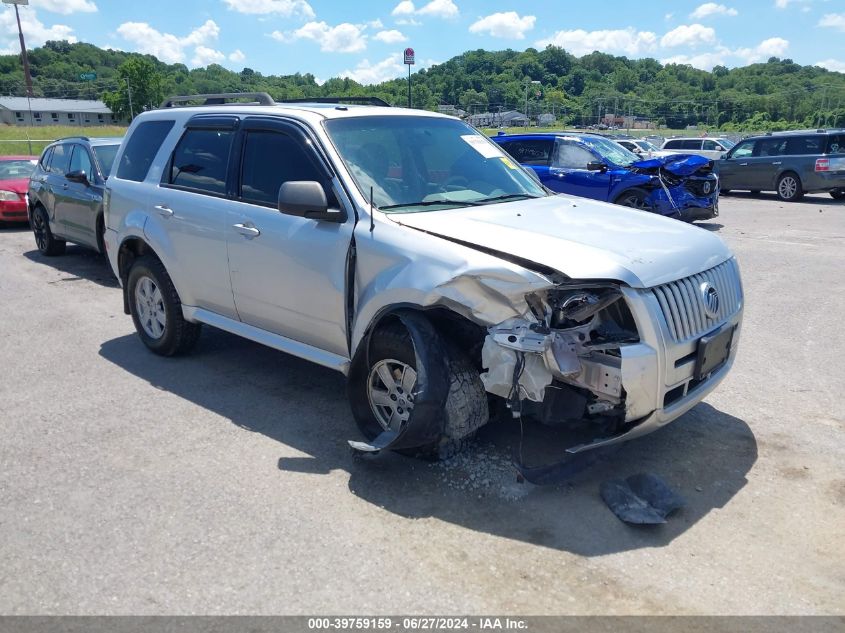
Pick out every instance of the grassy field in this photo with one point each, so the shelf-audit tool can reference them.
(13, 138)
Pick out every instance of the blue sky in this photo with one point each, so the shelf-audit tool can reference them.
(364, 40)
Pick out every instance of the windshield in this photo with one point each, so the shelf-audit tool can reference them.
(611, 151)
(645, 145)
(418, 163)
(105, 156)
(17, 168)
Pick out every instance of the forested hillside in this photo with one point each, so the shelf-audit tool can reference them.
(773, 95)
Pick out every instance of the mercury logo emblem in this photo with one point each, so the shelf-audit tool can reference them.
(706, 187)
(711, 299)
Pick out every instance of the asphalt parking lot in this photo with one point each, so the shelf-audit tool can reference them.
(221, 483)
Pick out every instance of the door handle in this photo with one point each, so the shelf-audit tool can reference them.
(64, 186)
(164, 210)
(743, 164)
(247, 230)
(778, 162)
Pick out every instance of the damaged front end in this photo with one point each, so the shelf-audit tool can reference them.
(681, 186)
(575, 358)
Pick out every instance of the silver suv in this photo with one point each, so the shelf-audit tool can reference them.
(405, 250)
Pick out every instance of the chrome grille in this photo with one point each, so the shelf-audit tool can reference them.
(682, 302)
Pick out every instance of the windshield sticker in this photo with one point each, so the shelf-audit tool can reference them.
(487, 150)
(507, 161)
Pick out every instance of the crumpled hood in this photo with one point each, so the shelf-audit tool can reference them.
(581, 238)
(678, 164)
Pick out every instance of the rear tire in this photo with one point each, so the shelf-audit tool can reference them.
(46, 242)
(838, 194)
(156, 309)
(465, 410)
(789, 187)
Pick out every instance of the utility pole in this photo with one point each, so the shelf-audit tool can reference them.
(129, 92)
(25, 61)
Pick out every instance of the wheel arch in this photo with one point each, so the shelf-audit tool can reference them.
(130, 249)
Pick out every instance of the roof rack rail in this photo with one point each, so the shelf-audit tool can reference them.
(260, 98)
(67, 138)
(373, 101)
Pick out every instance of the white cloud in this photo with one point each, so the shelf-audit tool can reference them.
(390, 37)
(237, 56)
(580, 42)
(724, 56)
(832, 64)
(507, 25)
(203, 56)
(389, 68)
(440, 9)
(668, 16)
(35, 32)
(711, 8)
(406, 7)
(170, 48)
(343, 38)
(435, 8)
(285, 8)
(65, 7)
(833, 21)
(688, 35)
(375, 24)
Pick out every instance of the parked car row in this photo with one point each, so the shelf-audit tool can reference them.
(411, 253)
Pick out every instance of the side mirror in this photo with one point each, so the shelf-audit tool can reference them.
(596, 166)
(723, 156)
(77, 176)
(307, 199)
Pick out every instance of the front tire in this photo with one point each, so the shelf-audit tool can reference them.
(381, 395)
(156, 309)
(789, 187)
(633, 198)
(46, 242)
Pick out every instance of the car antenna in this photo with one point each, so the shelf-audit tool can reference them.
(372, 221)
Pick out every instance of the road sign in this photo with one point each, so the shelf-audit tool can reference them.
(409, 56)
(87, 76)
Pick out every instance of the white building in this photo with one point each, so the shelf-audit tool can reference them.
(16, 111)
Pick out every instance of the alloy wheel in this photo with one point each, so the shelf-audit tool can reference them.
(39, 230)
(390, 392)
(787, 187)
(150, 306)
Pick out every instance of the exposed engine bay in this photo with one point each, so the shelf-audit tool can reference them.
(563, 362)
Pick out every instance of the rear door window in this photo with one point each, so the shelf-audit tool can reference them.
(530, 152)
(61, 159)
(801, 145)
(772, 147)
(141, 149)
(691, 144)
(201, 160)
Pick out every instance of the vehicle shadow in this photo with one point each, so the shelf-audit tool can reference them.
(14, 227)
(82, 263)
(810, 199)
(709, 226)
(705, 456)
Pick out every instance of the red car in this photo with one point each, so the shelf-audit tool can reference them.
(14, 181)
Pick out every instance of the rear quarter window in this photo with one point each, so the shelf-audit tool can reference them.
(141, 149)
(672, 145)
(836, 144)
(800, 145)
(691, 144)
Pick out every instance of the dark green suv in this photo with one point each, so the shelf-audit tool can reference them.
(65, 196)
(788, 163)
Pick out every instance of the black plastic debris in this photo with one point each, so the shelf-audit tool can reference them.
(642, 499)
(564, 470)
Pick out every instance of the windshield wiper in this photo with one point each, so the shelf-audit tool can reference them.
(507, 196)
(429, 203)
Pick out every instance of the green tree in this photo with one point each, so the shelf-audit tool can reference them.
(140, 78)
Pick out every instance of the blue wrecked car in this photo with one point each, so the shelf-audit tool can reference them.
(682, 186)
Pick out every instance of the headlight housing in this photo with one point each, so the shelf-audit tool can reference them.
(9, 196)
